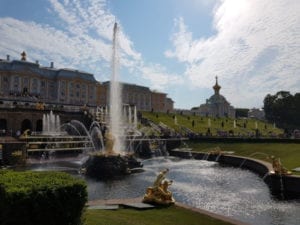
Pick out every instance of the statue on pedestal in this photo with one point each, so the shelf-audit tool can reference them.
(159, 193)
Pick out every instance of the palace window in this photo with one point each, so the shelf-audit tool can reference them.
(16, 84)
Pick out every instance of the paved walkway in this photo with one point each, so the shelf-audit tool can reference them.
(114, 201)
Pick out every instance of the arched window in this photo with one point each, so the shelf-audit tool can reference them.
(26, 124)
(3, 124)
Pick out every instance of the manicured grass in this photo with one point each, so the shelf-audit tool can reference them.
(243, 126)
(173, 215)
(289, 153)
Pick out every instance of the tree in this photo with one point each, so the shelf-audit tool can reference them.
(282, 108)
(240, 112)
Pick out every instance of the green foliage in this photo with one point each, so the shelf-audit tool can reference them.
(35, 198)
(16, 158)
(283, 108)
(241, 112)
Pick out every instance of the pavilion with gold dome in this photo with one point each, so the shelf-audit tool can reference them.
(216, 105)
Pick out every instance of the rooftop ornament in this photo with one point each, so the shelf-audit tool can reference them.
(23, 54)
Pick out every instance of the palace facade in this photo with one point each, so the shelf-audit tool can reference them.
(25, 81)
(142, 97)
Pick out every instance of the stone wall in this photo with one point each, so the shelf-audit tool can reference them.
(14, 118)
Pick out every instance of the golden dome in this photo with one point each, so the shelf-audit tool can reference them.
(217, 87)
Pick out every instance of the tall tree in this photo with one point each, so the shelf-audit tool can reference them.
(283, 108)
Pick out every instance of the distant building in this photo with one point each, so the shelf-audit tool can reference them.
(33, 89)
(102, 93)
(169, 105)
(23, 80)
(216, 105)
(132, 94)
(137, 95)
(256, 114)
(158, 103)
(142, 97)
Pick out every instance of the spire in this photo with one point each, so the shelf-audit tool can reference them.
(217, 87)
(23, 54)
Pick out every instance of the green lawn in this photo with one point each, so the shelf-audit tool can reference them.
(289, 153)
(201, 124)
(173, 215)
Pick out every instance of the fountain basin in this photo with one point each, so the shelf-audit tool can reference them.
(103, 166)
(281, 186)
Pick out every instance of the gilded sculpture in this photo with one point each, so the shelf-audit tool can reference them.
(278, 167)
(159, 193)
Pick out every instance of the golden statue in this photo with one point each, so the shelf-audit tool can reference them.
(109, 143)
(216, 151)
(159, 193)
(278, 167)
(25, 134)
(40, 106)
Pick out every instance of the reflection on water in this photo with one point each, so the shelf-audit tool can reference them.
(228, 191)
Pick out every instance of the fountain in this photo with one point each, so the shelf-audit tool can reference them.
(208, 185)
(50, 123)
(115, 111)
(67, 143)
(100, 162)
(113, 162)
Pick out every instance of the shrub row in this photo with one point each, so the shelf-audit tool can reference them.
(41, 198)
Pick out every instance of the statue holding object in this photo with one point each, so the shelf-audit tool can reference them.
(159, 193)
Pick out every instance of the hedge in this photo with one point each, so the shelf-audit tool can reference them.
(41, 198)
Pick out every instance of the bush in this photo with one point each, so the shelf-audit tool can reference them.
(41, 198)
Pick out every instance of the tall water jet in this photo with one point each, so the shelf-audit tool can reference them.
(115, 112)
(114, 162)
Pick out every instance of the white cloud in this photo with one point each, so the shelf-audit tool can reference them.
(46, 43)
(255, 51)
(79, 36)
(158, 76)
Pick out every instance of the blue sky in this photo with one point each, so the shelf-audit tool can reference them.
(172, 46)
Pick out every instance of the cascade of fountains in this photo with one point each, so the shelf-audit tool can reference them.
(51, 123)
(130, 116)
(115, 112)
